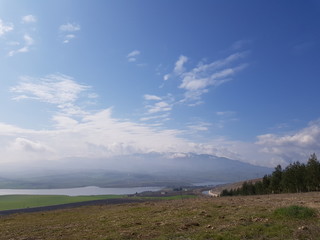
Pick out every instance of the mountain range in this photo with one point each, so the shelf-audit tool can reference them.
(150, 169)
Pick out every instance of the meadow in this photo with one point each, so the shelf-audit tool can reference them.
(9, 202)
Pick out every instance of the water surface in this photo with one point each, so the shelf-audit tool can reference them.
(81, 191)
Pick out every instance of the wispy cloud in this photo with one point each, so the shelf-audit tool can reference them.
(28, 41)
(132, 56)
(161, 117)
(161, 106)
(152, 97)
(69, 27)
(199, 126)
(158, 108)
(57, 89)
(5, 27)
(225, 117)
(197, 81)
(29, 19)
(226, 113)
(68, 31)
(240, 44)
(166, 77)
(179, 68)
(68, 37)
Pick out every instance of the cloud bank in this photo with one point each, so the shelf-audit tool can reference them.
(294, 146)
(92, 134)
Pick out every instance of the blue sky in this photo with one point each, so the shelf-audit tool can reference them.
(95, 79)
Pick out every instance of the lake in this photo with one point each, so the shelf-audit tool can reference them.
(81, 191)
(208, 184)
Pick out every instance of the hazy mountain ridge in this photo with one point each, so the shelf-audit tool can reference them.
(151, 169)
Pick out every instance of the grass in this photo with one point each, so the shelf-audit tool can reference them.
(236, 218)
(295, 212)
(8, 202)
(176, 197)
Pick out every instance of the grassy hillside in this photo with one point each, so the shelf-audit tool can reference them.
(233, 218)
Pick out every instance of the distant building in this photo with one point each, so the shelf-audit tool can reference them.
(214, 194)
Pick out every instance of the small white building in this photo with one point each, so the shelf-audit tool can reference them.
(214, 194)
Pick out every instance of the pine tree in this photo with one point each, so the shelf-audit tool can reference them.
(313, 173)
(275, 182)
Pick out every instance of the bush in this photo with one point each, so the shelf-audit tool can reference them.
(295, 212)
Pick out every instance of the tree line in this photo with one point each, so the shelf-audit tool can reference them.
(296, 177)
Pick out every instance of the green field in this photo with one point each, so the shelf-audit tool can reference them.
(8, 202)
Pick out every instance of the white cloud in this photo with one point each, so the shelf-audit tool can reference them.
(70, 27)
(178, 68)
(159, 107)
(226, 113)
(23, 144)
(163, 117)
(159, 104)
(197, 81)
(5, 27)
(68, 37)
(68, 31)
(199, 126)
(132, 59)
(29, 19)
(28, 41)
(166, 77)
(64, 122)
(13, 43)
(57, 89)
(132, 56)
(152, 97)
(98, 135)
(95, 135)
